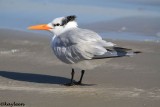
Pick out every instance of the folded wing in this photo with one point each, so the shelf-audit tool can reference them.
(79, 44)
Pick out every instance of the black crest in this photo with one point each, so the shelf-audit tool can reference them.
(68, 19)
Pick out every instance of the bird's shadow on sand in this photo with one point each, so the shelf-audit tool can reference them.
(37, 78)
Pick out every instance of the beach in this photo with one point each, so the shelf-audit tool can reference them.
(31, 74)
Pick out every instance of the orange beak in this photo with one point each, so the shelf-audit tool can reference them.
(40, 27)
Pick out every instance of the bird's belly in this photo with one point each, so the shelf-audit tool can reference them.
(90, 64)
(66, 56)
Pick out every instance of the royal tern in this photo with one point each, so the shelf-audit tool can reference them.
(78, 47)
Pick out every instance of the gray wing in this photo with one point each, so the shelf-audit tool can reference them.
(116, 52)
(79, 44)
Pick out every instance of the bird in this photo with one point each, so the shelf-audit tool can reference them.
(79, 47)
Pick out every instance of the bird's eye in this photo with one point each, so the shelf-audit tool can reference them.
(56, 24)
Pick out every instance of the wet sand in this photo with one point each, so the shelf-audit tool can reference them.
(31, 74)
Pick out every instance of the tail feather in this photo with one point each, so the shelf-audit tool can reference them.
(137, 52)
(120, 49)
(117, 52)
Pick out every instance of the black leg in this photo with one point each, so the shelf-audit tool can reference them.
(80, 81)
(72, 76)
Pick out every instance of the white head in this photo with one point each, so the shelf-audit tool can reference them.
(58, 25)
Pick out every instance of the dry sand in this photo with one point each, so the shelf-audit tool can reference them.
(31, 74)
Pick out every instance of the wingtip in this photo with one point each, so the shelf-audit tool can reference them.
(137, 52)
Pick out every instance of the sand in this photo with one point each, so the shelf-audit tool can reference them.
(31, 74)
